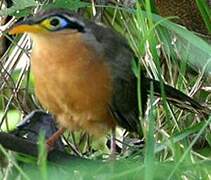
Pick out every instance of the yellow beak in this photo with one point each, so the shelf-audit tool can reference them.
(18, 29)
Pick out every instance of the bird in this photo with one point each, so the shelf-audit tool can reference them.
(83, 74)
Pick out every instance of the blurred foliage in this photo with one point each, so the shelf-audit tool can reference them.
(19, 8)
(13, 117)
(122, 169)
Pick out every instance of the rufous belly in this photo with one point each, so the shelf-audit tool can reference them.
(72, 84)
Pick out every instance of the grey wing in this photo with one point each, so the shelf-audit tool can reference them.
(119, 56)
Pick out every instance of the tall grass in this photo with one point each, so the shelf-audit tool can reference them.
(177, 142)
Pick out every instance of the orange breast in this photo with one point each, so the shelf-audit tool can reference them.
(73, 82)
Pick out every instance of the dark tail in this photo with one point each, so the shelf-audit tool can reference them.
(178, 98)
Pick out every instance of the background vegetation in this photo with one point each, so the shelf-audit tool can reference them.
(175, 144)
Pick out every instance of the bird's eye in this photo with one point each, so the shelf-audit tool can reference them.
(54, 23)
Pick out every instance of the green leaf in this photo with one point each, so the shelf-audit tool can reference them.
(13, 118)
(187, 46)
(67, 4)
(205, 12)
(20, 8)
(180, 136)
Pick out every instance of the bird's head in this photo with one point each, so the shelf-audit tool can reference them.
(47, 22)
